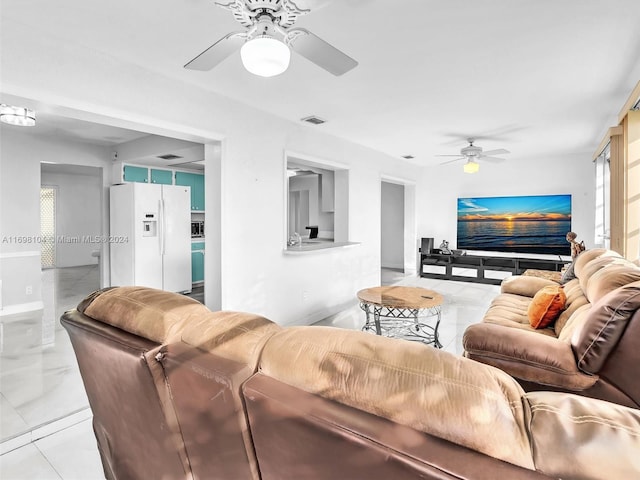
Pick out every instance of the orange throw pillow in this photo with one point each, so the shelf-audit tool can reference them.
(546, 306)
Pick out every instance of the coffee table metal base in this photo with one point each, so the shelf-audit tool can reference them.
(402, 322)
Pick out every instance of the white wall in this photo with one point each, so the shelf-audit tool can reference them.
(78, 216)
(20, 155)
(440, 187)
(255, 274)
(392, 227)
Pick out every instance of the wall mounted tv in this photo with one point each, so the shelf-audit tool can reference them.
(523, 224)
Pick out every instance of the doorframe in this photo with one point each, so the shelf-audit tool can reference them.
(215, 152)
(410, 222)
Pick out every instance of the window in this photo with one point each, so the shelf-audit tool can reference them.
(48, 226)
(603, 198)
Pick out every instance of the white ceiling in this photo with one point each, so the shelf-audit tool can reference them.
(52, 125)
(538, 77)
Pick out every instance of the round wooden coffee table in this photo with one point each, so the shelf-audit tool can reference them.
(401, 312)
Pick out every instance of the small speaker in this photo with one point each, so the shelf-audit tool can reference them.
(426, 245)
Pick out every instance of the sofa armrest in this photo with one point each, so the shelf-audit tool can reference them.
(524, 285)
(602, 439)
(526, 355)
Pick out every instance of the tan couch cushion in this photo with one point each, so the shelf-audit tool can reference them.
(451, 397)
(607, 279)
(588, 255)
(575, 300)
(235, 336)
(582, 438)
(593, 267)
(578, 317)
(511, 310)
(524, 285)
(154, 314)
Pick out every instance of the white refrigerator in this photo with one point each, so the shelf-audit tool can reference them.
(150, 236)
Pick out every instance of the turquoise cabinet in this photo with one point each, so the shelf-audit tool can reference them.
(196, 182)
(197, 262)
(135, 174)
(162, 177)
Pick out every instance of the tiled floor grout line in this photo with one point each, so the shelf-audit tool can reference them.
(51, 428)
(44, 455)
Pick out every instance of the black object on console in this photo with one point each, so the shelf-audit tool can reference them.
(426, 245)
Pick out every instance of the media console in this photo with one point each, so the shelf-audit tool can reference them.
(456, 267)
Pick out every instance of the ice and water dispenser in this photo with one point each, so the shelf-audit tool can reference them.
(150, 225)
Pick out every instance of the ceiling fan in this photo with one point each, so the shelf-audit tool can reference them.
(472, 153)
(265, 44)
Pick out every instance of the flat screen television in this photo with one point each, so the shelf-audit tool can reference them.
(522, 224)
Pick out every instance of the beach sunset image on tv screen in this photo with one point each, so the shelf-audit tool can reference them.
(523, 224)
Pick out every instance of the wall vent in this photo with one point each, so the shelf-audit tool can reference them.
(169, 156)
(313, 120)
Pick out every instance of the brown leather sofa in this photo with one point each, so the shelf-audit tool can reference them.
(163, 396)
(592, 349)
(179, 392)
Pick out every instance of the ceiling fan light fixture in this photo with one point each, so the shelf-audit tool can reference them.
(265, 56)
(471, 166)
(20, 116)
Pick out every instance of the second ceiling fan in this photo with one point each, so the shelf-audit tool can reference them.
(472, 153)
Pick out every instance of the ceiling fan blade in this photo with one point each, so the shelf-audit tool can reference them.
(318, 51)
(217, 52)
(456, 155)
(454, 160)
(499, 151)
(492, 159)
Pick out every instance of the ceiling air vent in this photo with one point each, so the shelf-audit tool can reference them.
(408, 157)
(169, 156)
(313, 120)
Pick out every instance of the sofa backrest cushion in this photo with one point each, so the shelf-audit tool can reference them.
(588, 256)
(598, 335)
(575, 300)
(578, 437)
(451, 397)
(236, 336)
(611, 277)
(575, 321)
(149, 313)
(592, 267)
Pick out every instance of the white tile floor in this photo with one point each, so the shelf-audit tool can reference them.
(40, 380)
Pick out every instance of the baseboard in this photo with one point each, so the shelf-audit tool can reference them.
(320, 315)
(394, 266)
(21, 308)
